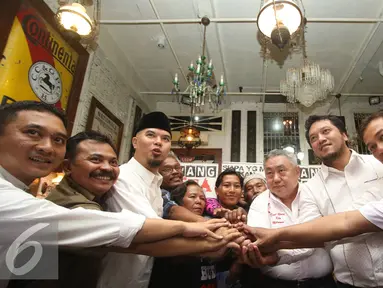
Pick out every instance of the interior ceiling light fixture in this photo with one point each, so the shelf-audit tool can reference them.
(202, 85)
(279, 20)
(307, 84)
(74, 19)
(189, 135)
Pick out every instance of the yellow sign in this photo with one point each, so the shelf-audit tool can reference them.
(38, 64)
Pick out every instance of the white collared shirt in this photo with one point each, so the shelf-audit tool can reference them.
(76, 228)
(138, 190)
(268, 211)
(359, 263)
(373, 212)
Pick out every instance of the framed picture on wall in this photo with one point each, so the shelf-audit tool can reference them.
(38, 62)
(102, 120)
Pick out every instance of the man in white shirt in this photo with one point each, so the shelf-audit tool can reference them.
(368, 218)
(346, 181)
(32, 144)
(279, 207)
(138, 190)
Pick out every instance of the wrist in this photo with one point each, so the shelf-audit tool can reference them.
(181, 228)
(279, 234)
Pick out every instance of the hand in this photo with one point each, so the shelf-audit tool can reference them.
(233, 216)
(231, 240)
(203, 229)
(253, 257)
(266, 240)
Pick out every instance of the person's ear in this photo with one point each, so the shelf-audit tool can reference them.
(345, 137)
(134, 142)
(298, 170)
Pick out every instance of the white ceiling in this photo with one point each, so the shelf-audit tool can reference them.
(350, 51)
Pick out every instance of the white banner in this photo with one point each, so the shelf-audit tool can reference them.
(204, 174)
(246, 169)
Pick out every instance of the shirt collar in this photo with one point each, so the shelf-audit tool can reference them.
(12, 179)
(275, 198)
(67, 181)
(145, 174)
(354, 157)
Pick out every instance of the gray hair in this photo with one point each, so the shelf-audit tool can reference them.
(173, 155)
(280, 152)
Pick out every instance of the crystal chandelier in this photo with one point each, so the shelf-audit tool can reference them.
(307, 84)
(202, 86)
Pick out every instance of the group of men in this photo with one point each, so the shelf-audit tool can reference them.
(345, 182)
(33, 142)
(119, 208)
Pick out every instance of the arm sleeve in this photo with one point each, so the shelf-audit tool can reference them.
(76, 228)
(308, 208)
(373, 212)
(211, 205)
(168, 204)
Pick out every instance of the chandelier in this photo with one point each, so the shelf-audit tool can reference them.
(307, 84)
(189, 135)
(202, 84)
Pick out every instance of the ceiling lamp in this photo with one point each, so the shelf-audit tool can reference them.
(203, 87)
(307, 84)
(189, 137)
(279, 20)
(74, 19)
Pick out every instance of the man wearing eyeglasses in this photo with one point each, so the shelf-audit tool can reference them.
(346, 181)
(171, 172)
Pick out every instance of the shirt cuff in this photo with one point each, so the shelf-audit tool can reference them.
(131, 224)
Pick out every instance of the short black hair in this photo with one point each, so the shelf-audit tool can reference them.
(179, 192)
(335, 120)
(228, 171)
(72, 142)
(8, 112)
(368, 120)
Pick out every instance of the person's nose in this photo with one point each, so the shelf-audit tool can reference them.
(105, 165)
(45, 145)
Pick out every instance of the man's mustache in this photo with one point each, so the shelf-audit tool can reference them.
(110, 174)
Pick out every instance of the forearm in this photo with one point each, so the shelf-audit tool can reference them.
(183, 214)
(175, 246)
(329, 228)
(158, 229)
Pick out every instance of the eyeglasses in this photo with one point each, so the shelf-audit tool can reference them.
(168, 170)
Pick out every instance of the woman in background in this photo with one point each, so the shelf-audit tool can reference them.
(188, 272)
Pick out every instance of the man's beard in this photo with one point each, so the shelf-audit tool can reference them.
(154, 163)
(330, 158)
